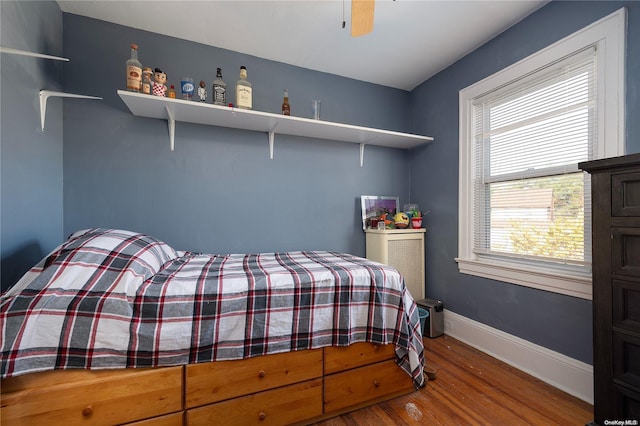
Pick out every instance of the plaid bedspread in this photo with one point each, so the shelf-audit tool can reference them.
(115, 299)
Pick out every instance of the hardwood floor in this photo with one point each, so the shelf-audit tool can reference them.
(472, 388)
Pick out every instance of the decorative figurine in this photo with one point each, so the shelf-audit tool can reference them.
(202, 91)
(401, 220)
(159, 83)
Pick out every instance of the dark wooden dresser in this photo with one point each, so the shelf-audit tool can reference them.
(615, 192)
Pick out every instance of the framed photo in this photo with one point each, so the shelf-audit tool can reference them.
(374, 206)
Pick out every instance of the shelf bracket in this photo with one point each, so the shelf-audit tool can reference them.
(272, 138)
(46, 94)
(362, 154)
(171, 123)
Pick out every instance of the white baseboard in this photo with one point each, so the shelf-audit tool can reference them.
(565, 373)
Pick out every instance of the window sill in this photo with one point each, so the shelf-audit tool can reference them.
(576, 285)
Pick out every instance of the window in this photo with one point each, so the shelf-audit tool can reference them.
(525, 213)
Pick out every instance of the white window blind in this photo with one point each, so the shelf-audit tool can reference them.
(524, 207)
(531, 203)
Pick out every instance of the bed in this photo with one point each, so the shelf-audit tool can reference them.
(117, 327)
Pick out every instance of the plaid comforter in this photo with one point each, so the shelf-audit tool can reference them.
(115, 299)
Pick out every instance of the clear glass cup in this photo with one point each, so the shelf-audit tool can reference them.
(187, 88)
(316, 109)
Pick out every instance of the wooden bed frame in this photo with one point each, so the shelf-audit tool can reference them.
(290, 388)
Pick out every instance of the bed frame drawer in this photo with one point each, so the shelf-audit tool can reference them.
(356, 355)
(209, 382)
(91, 397)
(175, 419)
(354, 387)
(282, 406)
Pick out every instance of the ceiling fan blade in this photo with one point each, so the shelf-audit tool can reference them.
(361, 17)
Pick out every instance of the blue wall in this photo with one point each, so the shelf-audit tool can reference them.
(31, 160)
(561, 323)
(219, 191)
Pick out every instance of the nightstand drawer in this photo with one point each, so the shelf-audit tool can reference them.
(626, 359)
(625, 251)
(626, 305)
(625, 194)
(627, 403)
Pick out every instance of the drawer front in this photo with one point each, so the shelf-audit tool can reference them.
(625, 194)
(627, 405)
(340, 358)
(281, 406)
(626, 359)
(363, 384)
(109, 399)
(217, 381)
(175, 419)
(626, 305)
(625, 253)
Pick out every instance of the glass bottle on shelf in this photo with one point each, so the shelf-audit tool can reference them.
(243, 90)
(172, 91)
(286, 108)
(147, 73)
(219, 89)
(134, 71)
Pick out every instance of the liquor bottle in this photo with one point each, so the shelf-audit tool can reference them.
(286, 108)
(134, 71)
(219, 89)
(172, 92)
(243, 90)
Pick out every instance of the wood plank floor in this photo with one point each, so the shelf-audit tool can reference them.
(472, 388)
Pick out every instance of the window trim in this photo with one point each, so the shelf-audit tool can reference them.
(608, 34)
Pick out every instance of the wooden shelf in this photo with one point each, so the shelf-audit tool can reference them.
(173, 110)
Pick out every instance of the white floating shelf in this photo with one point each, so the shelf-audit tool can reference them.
(46, 94)
(173, 110)
(32, 54)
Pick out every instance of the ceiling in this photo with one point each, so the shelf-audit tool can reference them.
(411, 40)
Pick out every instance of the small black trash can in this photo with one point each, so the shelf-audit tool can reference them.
(434, 326)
